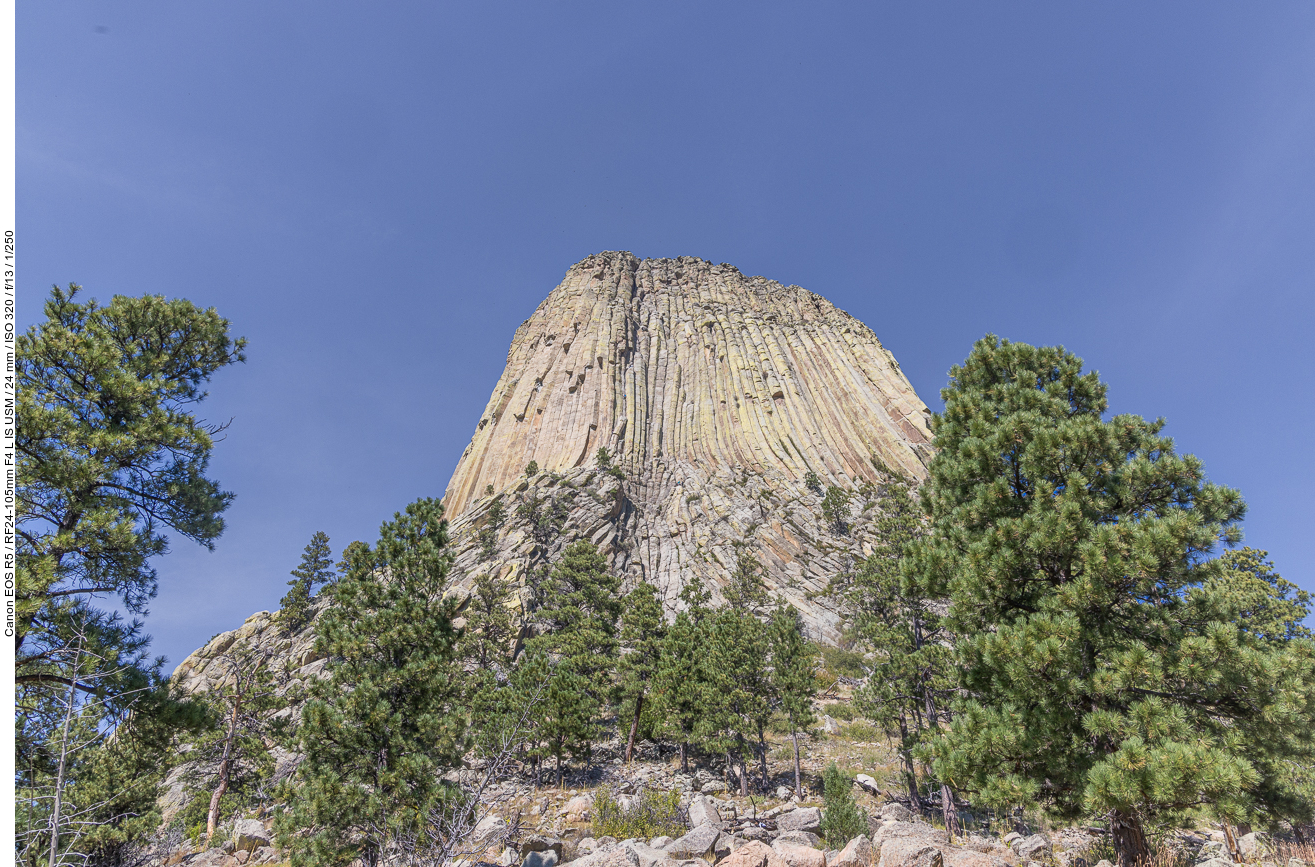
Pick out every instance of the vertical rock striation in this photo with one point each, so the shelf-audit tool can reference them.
(717, 394)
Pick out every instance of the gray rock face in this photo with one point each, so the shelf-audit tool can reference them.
(540, 843)
(544, 858)
(613, 856)
(857, 853)
(703, 812)
(248, 834)
(800, 838)
(802, 819)
(1034, 848)
(909, 852)
(695, 844)
(895, 813)
(716, 393)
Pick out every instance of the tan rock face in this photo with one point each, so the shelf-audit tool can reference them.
(717, 394)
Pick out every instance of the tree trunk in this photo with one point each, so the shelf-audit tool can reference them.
(225, 773)
(634, 727)
(798, 786)
(1129, 839)
(949, 811)
(684, 758)
(762, 755)
(560, 774)
(1230, 840)
(910, 773)
(744, 777)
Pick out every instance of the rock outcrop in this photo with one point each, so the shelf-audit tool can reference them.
(717, 395)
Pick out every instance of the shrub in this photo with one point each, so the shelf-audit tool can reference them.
(652, 814)
(532, 469)
(843, 711)
(842, 821)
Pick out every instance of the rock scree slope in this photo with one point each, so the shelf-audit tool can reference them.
(717, 394)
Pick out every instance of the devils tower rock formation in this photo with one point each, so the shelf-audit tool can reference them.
(717, 394)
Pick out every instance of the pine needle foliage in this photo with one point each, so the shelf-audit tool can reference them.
(1103, 672)
(315, 570)
(381, 731)
(842, 820)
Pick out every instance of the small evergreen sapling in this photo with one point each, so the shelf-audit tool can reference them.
(642, 632)
(842, 820)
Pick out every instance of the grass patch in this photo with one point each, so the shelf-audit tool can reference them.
(860, 730)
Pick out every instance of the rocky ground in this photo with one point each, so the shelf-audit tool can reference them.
(528, 825)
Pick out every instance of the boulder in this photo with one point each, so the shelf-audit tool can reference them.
(580, 807)
(265, 855)
(1034, 848)
(540, 843)
(490, 830)
(1008, 839)
(974, 858)
(209, 858)
(242, 856)
(857, 853)
(799, 856)
(867, 784)
(895, 812)
(647, 856)
(543, 858)
(754, 832)
(1103, 863)
(755, 853)
(716, 787)
(1212, 862)
(909, 852)
(612, 856)
(801, 819)
(661, 842)
(587, 846)
(800, 838)
(696, 844)
(726, 844)
(1252, 846)
(249, 834)
(784, 793)
(703, 812)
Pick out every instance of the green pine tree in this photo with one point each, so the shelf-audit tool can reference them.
(316, 569)
(913, 676)
(737, 689)
(577, 624)
(1102, 671)
(642, 632)
(381, 731)
(842, 820)
(682, 684)
(793, 661)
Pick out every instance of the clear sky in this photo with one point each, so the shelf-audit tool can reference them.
(377, 194)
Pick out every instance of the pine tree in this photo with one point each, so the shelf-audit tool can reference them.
(913, 676)
(734, 723)
(111, 463)
(842, 820)
(487, 637)
(793, 662)
(577, 624)
(682, 684)
(1101, 670)
(316, 569)
(380, 732)
(642, 632)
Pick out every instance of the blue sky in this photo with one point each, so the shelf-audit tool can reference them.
(377, 194)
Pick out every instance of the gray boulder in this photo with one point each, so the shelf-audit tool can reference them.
(660, 842)
(543, 858)
(909, 852)
(716, 787)
(1034, 848)
(803, 819)
(894, 812)
(250, 834)
(800, 838)
(696, 844)
(703, 812)
(541, 843)
(612, 856)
